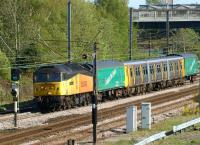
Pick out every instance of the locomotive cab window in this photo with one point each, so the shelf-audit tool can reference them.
(64, 76)
(47, 77)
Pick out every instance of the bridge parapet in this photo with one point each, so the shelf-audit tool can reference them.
(149, 13)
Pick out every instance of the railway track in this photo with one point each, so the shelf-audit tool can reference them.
(79, 135)
(69, 123)
(20, 116)
(26, 113)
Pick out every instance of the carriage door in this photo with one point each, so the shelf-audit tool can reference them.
(137, 74)
(171, 70)
(180, 68)
(165, 76)
(145, 73)
(176, 69)
(158, 72)
(152, 76)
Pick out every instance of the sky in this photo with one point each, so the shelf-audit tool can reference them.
(136, 3)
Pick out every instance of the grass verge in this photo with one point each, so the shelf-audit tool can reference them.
(189, 137)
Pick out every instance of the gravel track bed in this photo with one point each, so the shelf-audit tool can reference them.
(116, 131)
(42, 119)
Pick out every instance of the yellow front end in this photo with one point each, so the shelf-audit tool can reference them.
(64, 88)
(48, 89)
(75, 85)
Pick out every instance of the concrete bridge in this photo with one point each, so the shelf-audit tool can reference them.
(155, 16)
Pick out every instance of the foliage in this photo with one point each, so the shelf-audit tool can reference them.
(36, 30)
(153, 2)
(117, 11)
(31, 53)
(43, 24)
(17, 24)
(4, 66)
(187, 40)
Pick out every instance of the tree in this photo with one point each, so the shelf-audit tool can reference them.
(18, 27)
(115, 13)
(153, 2)
(186, 40)
(4, 66)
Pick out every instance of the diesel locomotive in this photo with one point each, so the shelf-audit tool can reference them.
(63, 86)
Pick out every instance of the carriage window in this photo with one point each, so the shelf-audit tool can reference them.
(145, 70)
(165, 67)
(158, 68)
(151, 69)
(137, 71)
(131, 71)
(176, 66)
(171, 67)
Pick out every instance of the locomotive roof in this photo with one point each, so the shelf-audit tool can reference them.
(185, 55)
(152, 60)
(69, 68)
(108, 64)
(135, 62)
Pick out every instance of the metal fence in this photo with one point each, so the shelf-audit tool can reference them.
(163, 134)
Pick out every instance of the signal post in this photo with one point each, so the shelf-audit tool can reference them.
(94, 96)
(15, 76)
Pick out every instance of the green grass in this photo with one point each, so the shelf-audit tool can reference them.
(185, 138)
